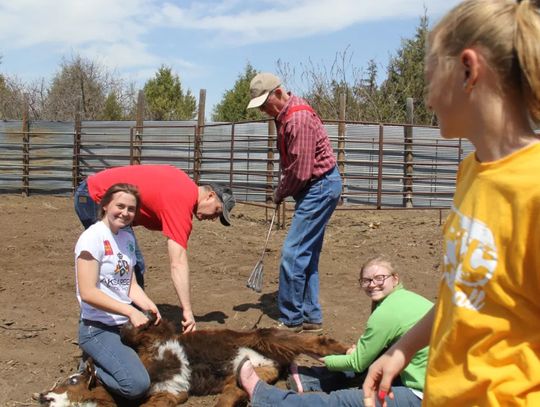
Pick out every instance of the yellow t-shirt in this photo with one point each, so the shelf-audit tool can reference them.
(485, 344)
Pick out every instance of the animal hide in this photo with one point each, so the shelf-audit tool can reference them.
(197, 363)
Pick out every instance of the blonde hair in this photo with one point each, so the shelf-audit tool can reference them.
(508, 32)
(379, 260)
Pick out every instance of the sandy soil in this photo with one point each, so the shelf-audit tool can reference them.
(38, 308)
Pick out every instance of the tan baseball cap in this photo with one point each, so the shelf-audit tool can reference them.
(260, 87)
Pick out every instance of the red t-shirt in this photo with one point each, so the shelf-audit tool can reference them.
(168, 197)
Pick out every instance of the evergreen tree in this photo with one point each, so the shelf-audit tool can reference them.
(233, 105)
(405, 78)
(113, 109)
(165, 99)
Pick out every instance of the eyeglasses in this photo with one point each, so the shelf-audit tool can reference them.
(263, 106)
(378, 280)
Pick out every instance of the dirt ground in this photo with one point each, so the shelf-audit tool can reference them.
(39, 311)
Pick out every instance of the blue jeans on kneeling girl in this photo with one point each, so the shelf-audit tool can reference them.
(117, 366)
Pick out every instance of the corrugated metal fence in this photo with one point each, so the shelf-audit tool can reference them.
(379, 168)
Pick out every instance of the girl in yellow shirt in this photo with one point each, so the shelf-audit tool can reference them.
(483, 70)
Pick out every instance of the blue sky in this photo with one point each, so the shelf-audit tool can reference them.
(207, 43)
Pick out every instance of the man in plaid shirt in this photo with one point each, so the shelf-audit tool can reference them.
(310, 176)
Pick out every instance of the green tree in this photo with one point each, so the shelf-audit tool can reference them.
(112, 110)
(405, 78)
(165, 99)
(233, 104)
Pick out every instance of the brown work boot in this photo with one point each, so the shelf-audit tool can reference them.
(291, 328)
(312, 328)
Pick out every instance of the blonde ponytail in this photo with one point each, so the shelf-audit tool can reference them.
(509, 33)
(527, 46)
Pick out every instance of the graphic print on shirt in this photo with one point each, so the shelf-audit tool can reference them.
(108, 248)
(470, 260)
(122, 265)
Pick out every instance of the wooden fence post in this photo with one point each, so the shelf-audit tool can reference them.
(408, 156)
(26, 149)
(199, 137)
(270, 161)
(76, 169)
(341, 141)
(136, 139)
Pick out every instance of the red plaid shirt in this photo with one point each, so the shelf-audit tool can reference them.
(305, 151)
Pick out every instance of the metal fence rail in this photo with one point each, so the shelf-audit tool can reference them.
(380, 167)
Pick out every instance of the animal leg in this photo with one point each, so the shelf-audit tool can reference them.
(164, 399)
(232, 395)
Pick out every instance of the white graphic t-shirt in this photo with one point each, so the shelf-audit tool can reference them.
(116, 257)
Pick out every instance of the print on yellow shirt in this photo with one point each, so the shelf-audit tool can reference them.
(470, 260)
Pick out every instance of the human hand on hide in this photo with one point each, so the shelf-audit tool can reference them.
(188, 322)
(137, 318)
(154, 310)
(351, 350)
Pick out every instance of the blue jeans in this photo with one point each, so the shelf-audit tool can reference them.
(118, 366)
(265, 395)
(298, 296)
(87, 211)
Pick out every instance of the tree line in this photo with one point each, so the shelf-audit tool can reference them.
(100, 94)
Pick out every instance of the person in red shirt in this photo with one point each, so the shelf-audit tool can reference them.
(169, 199)
(310, 176)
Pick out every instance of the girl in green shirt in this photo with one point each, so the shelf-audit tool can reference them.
(394, 311)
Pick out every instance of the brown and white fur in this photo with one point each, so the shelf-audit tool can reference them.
(198, 363)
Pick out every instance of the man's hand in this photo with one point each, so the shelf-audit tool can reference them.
(277, 199)
(188, 322)
(181, 280)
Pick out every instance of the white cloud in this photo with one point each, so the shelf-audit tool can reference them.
(70, 22)
(123, 33)
(122, 54)
(76, 22)
(290, 19)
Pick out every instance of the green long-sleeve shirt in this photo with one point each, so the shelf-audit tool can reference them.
(392, 317)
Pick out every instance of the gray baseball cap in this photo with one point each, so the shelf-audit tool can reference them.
(226, 197)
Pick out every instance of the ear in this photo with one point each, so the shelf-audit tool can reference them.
(470, 65)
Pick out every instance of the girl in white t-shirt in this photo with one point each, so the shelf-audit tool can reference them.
(108, 292)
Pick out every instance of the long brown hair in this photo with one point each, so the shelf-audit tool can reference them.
(120, 187)
(508, 32)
